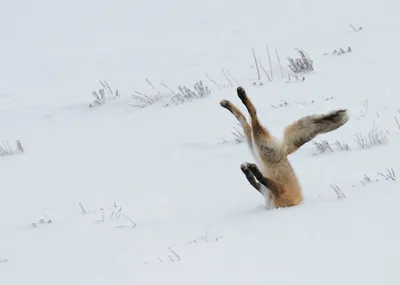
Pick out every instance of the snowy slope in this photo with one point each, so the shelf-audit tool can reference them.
(164, 199)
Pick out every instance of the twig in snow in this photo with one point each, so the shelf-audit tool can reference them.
(323, 146)
(342, 145)
(7, 149)
(102, 96)
(82, 208)
(151, 84)
(129, 220)
(354, 29)
(106, 86)
(116, 214)
(302, 64)
(366, 180)
(172, 91)
(187, 95)
(145, 100)
(175, 254)
(44, 220)
(102, 216)
(239, 135)
(279, 61)
(397, 121)
(270, 63)
(206, 238)
(19, 146)
(234, 79)
(227, 77)
(339, 192)
(265, 71)
(215, 83)
(256, 62)
(364, 109)
(375, 137)
(391, 175)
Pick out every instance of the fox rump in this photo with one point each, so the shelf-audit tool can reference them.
(277, 179)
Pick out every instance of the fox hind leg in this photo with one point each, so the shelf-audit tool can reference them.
(269, 147)
(242, 120)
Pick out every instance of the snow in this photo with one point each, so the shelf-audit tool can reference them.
(164, 200)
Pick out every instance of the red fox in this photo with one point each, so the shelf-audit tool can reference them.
(277, 175)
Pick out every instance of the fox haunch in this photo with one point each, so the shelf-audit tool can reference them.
(277, 175)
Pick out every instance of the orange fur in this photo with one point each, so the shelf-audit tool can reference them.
(277, 173)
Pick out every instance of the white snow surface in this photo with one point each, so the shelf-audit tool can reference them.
(165, 170)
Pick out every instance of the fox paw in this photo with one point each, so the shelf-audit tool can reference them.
(253, 167)
(225, 104)
(243, 166)
(247, 166)
(241, 93)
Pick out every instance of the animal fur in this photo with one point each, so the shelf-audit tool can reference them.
(277, 178)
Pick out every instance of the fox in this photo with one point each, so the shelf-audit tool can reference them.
(276, 180)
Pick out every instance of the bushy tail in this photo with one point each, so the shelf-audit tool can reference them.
(307, 128)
